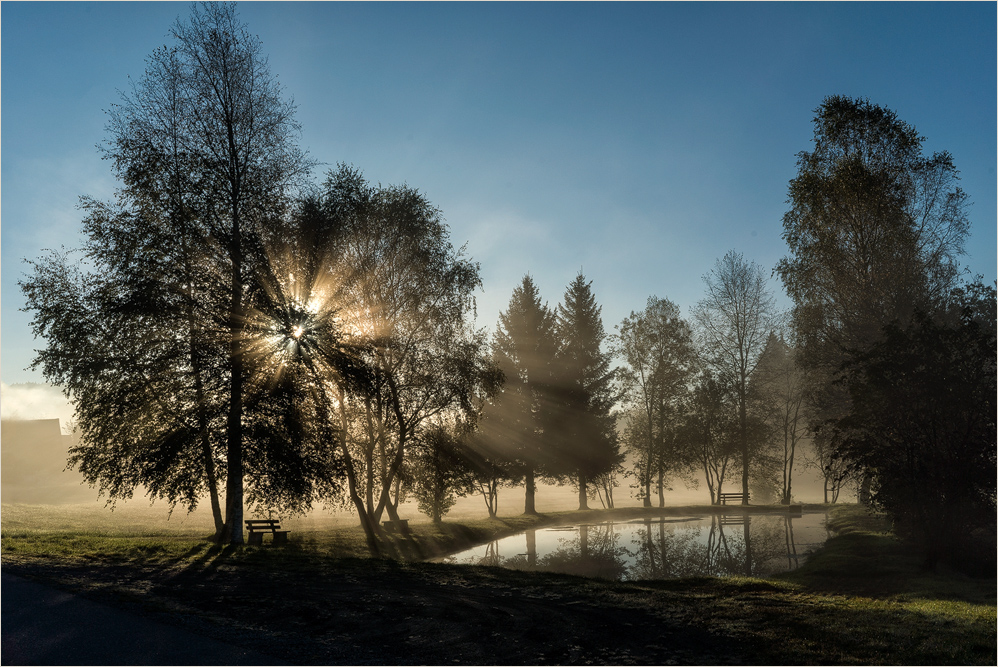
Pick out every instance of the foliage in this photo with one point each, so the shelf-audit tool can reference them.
(515, 423)
(404, 295)
(585, 392)
(835, 470)
(656, 345)
(874, 230)
(734, 321)
(923, 422)
(781, 388)
(710, 429)
(439, 471)
(150, 344)
(874, 226)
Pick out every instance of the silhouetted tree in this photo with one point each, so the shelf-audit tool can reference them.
(206, 141)
(874, 230)
(710, 429)
(203, 148)
(834, 469)
(923, 423)
(781, 388)
(440, 471)
(734, 321)
(517, 424)
(586, 395)
(407, 294)
(121, 353)
(657, 348)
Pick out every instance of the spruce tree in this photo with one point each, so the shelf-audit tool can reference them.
(586, 433)
(517, 426)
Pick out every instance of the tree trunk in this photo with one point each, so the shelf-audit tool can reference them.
(234, 449)
(366, 521)
(209, 469)
(490, 492)
(199, 395)
(864, 489)
(648, 459)
(528, 504)
(748, 547)
(583, 492)
(743, 419)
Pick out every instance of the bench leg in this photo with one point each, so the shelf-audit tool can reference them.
(281, 537)
(255, 539)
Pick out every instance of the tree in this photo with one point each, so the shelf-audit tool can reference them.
(710, 428)
(782, 388)
(488, 471)
(405, 293)
(923, 422)
(586, 394)
(874, 231)
(874, 228)
(120, 352)
(734, 321)
(518, 421)
(656, 344)
(440, 471)
(835, 470)
(207, 133)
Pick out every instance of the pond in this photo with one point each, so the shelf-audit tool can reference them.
(660, 547)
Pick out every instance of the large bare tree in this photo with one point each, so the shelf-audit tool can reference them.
(734, 320)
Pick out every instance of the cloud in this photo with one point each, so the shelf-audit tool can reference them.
(35, 401)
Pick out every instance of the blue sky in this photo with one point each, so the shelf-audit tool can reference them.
(636, 142)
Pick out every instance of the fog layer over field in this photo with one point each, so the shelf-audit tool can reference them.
(35, 453)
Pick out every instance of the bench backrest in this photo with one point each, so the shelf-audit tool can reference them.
(259, 525)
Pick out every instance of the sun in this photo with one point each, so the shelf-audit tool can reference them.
(297, 331)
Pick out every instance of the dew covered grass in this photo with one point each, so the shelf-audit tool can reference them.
(861, 599)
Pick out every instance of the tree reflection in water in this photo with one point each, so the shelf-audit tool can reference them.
(732, 545)
(658, 547)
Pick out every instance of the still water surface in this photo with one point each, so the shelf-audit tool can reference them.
(660, 547)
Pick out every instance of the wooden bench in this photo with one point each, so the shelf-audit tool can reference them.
(257, 527)
(400, 526)
(723, 498)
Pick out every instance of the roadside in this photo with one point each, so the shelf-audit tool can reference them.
(41, 625)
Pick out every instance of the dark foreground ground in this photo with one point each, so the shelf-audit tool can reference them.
(297, 606)
(382, 612)
(47, 626)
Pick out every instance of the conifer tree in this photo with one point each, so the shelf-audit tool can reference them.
(518, 422)
(586, 433)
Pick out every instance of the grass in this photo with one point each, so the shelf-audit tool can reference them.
(864, 598)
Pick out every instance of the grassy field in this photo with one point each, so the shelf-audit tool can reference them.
(862, 599)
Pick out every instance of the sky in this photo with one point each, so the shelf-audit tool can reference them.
(637, 143)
